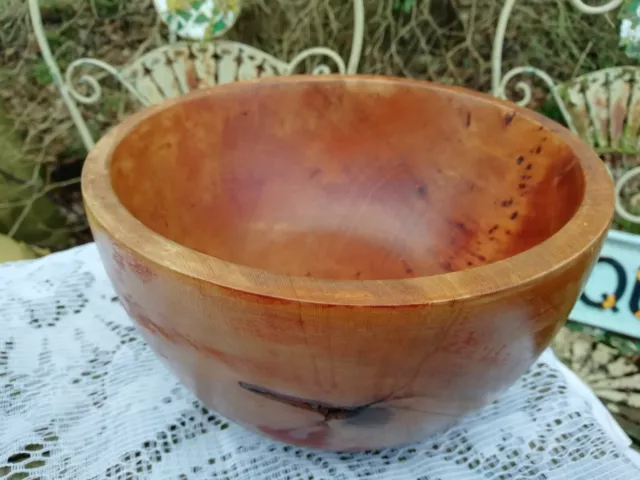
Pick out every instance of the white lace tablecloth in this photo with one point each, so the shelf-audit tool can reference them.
(82, 397)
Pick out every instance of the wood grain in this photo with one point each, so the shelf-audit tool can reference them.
(346, 262)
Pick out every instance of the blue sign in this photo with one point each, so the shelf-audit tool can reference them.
(611, 297)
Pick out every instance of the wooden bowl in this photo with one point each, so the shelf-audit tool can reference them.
(346, 262)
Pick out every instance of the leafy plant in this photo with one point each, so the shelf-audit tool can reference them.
(26, 214)
(551, 110)
(405, 5)
(630, 28)
(41, 73)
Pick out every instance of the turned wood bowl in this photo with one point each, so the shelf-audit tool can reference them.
(346, 263)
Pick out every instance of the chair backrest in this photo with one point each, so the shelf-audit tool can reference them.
(179, 67)
(602, 107)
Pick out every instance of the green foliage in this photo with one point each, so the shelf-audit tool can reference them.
(551, 110)
(628, 226)
(41, 73)
(108, 8)
(630, 28)
(20, 181)
(112, 104)
(55, 40)
(404, 5)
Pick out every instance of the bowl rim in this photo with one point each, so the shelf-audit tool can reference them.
(581, 235)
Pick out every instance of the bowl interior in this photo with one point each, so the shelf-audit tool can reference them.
(344, 180)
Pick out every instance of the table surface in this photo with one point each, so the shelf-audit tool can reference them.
(83, 397)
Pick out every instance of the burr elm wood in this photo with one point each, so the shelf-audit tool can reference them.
(346, 263)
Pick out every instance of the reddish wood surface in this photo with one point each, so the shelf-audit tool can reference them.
(346, 262)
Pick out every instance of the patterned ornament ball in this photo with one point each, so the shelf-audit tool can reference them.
(198, 19)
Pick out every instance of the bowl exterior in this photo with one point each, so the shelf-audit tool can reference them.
(340, 377)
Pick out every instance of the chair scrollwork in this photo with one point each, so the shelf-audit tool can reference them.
(621, 209)
(596, 9)
(95, 90)
(578, 115)
(524, 88)
(321, 68)
(179, 67)
(499, 82)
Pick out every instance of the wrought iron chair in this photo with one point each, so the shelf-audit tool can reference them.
(602, 107)
(181, 66)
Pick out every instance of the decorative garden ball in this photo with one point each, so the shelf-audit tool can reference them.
(198, 19)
